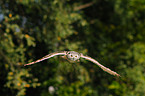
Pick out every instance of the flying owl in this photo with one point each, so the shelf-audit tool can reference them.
(74, 56)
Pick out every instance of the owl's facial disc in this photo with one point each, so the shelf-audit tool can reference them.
(72, 55)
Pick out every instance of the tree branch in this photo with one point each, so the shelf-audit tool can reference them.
(83, 6)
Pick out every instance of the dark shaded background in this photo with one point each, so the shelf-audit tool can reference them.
(110, 31)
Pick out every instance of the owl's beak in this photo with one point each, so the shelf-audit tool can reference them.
(74, 59)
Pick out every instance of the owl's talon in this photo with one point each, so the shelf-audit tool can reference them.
(63, 56)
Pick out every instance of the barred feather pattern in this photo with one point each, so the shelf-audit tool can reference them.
(73, 56)
(101, 66)
(47, 57)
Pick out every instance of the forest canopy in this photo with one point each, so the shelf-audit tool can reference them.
(110, 31)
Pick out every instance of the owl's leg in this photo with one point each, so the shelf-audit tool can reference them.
(64, 57)
(69, 60)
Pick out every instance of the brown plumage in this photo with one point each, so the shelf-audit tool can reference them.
(73, 56)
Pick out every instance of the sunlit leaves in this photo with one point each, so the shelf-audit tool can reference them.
(110, 31)
(137, 51)
(30, 40)
(18, 80)
(75, 89)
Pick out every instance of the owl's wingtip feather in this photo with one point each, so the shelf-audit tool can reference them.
(25, 64)
(28, 64)
(118, 75)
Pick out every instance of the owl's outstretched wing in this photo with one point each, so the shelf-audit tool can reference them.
(101, 66)
(47, 57)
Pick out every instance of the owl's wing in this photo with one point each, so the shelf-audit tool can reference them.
(101, 66)
(47, 57)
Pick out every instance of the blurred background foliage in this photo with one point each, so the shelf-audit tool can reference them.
(111, 31)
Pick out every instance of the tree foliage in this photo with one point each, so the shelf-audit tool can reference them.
(111, 31)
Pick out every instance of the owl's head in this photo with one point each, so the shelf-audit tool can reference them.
(72, 55)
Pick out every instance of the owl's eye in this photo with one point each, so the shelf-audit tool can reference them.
(71, 56)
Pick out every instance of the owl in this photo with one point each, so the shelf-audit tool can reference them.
(74, 56)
